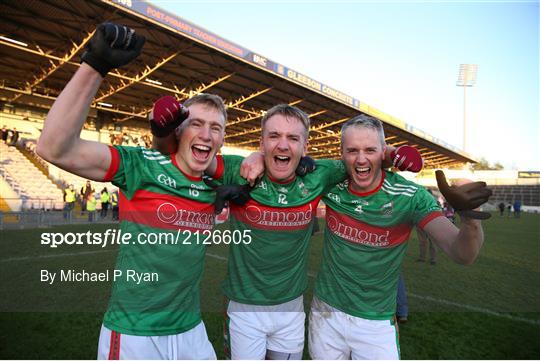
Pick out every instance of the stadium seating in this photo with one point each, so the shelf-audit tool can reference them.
(63, 178)
(34, 187)
(529, 195)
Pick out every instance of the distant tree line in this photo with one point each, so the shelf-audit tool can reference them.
(483, 164)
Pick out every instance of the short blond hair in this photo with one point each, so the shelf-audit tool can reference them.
(210, 100)
(287, 111)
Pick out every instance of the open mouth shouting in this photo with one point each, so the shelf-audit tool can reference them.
(201, 152)
(282, 161)
(362, 172)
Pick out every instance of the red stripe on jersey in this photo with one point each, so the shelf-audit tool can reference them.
(429, 218)
(220, 167)
(354, 231)
(282, 181)
(166, 211)
(113, 167)
(259, 216)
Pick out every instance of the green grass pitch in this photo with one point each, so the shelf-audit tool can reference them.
(490, 310)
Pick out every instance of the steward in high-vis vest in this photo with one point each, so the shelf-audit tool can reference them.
(114, 205)
(69, 202)
(91, 207)
(86, 190)
(104, 197)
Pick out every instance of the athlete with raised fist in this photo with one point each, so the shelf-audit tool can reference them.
(267, 278)
(369, 218)
(158, 318)
(112, 46)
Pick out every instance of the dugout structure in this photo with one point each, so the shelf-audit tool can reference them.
(41, 43)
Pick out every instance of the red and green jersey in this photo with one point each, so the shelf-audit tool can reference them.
(272, 269)
(157, 198)
(365, 242)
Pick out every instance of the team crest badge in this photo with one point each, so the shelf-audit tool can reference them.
(387, 209)
(303, 189)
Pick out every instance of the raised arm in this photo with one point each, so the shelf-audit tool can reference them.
(461, 244)
(60, 141)
(111, 46)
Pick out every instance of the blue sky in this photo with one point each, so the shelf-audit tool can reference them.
(403, 58)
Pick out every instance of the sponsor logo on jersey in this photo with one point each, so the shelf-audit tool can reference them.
(170, 214)
(260, 216)
(355, 231)
(166, 211)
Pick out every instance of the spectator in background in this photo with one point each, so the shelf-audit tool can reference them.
(517, 208)
(509, 208)
(402, 309)
(85, 192)
(104, 197)
(423, 241)
(91, 207)
(69, 202)
(4, 134)
(125, 139)
(501, 209)
(14, 137)
(147, 141)
(114, 205)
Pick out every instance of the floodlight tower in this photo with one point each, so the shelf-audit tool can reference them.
(466, 78)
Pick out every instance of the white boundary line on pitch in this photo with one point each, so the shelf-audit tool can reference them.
(310, 274)
(475, 309)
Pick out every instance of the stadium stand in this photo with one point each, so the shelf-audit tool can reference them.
(36, 190)
(10, 200)
(507, 185)
(59, 176)
(527, 195)
(194, 61)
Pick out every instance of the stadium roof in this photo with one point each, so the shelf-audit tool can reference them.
(41, 43)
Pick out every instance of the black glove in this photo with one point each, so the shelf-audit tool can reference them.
(238, 194)
(464, 199)
(306, 165)
(111, 47)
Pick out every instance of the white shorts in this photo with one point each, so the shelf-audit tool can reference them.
(192, 344)
(335, 335)
(252, 330)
